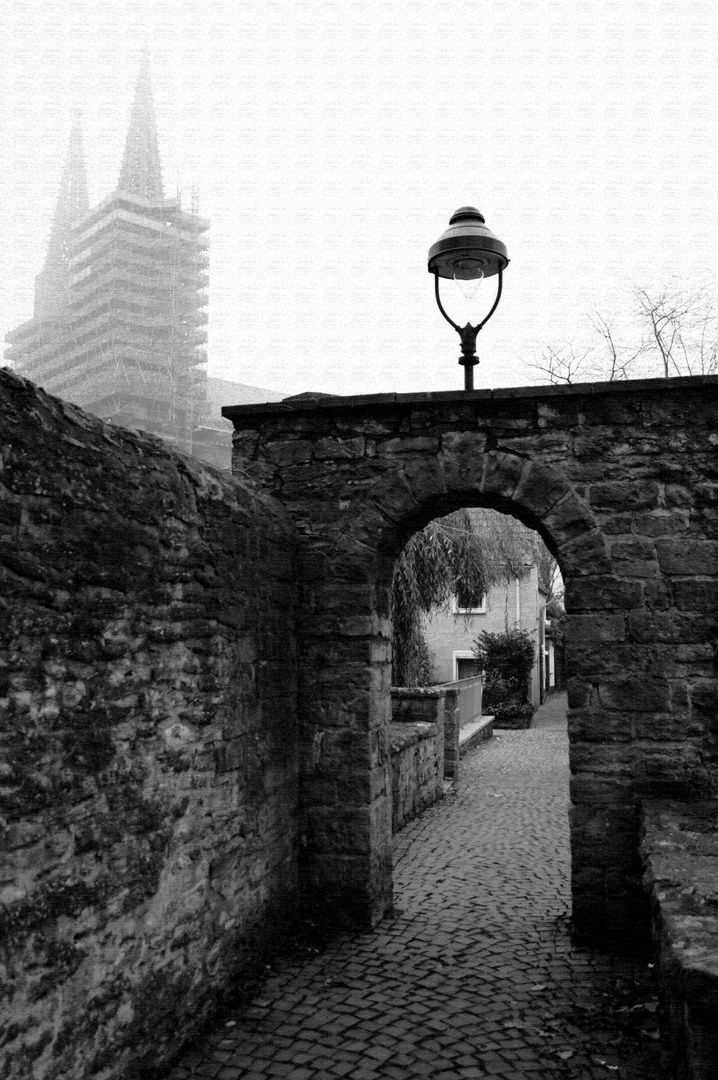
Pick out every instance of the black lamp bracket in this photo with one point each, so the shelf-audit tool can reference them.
(468, 333)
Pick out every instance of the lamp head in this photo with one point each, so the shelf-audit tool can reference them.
(467, 250)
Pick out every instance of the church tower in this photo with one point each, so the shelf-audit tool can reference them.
(120, 306)
(51, 285)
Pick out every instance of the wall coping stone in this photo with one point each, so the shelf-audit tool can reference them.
(315, 402)
(403, 735)
(459, 684)
(418, 692)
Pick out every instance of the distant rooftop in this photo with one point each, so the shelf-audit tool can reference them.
(226, 392)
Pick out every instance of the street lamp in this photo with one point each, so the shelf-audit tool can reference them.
(468, 252)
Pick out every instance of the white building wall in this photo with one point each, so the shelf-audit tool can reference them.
(451, 635)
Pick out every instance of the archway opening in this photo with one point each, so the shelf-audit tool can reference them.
(477, 616)
(478, 572)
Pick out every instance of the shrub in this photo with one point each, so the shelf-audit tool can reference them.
(512, 714)
(507, 660)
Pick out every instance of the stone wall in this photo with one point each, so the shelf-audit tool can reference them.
(416, 737)
(680, 855)
(621, 481)
(148, 777)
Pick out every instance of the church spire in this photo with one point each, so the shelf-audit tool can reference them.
(72, 203)
(141, 173)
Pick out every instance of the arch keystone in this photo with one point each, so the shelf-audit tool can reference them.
(462, 456)
(502, 473)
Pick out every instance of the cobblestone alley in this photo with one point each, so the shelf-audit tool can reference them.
(475, 974)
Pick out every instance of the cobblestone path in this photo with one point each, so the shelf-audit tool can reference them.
(474, 975)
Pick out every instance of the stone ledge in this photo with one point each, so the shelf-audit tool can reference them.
(409, 733)
(398, 692)
(315, 402)
(680, 857)
(472, 734)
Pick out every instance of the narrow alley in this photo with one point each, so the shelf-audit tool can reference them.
(475, 974)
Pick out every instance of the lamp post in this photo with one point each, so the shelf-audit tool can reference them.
(468, 252)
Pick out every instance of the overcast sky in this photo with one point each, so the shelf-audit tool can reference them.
(331, 142)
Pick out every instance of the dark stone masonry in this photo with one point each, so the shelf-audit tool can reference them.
(621, 481)
(149, 766)
(195, 679)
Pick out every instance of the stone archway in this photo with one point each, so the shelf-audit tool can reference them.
(620, 481)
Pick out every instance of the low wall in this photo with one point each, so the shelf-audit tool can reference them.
(680, 856)
(417, 751)
(463, 707)
(148, 785)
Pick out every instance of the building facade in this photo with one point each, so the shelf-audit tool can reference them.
(518, 605)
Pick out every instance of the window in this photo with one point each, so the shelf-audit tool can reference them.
(466, 604)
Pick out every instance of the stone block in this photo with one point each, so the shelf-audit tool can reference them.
(614, 760)
(704, 704)
(624, 494)
(678, 762)
(635, 693)
(502, 473)
(661, 522)
(568, 519)
(423, 476)
(579, 692)
(339, 448)
(340, 830)
(602, 594)
(588, 788)
(696, 594)
(632, 549)
(614, 524)
(289, 451)
(598, 627)
(540, 489)
(411, 444)
(670, 626)
(666, 727)
(599, 726)
(462, 458)
(586, 555)
(688, 556)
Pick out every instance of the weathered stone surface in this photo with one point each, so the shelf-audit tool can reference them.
(149, 782)
(597, 627)
(151, 658)
(679, 849)
(618, 479)
(568, 519)
(417, 758)
(696, 594)
(602, 594)
(688, 556)
(635, 693)
(623, 493)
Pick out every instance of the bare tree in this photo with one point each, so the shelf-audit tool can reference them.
(674, 333)
(562, 362)
(682, 328)
(619, 360)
